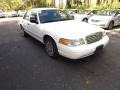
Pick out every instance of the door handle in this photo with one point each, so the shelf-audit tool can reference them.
(28, 24)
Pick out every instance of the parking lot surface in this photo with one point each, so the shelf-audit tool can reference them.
(24, 65)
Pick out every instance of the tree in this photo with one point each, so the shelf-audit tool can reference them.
(68, 4)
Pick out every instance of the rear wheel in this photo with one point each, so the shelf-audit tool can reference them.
(25, 34)
(111, 25)
(51, 48)
(21, 27)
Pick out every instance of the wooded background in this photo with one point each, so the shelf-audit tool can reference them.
(80, 4)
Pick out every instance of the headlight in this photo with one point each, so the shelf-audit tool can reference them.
(70, 42)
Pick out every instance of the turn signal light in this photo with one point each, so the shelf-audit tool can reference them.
(64, 41)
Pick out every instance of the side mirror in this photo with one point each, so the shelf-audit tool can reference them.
(33, 19)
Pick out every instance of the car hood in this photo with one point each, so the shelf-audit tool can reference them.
(80, 16)
(12, 12)
(70, 29)
(96, 17)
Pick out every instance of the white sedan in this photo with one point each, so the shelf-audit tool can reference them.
(21, 13)
(12, 13)
(62, 35)
(2, 14)
(106, 19)
(84, 15)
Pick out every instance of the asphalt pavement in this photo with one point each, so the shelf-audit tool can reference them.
(24, 65)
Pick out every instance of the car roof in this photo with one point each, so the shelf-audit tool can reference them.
(92, 9)
(37, 9)
(113, 10)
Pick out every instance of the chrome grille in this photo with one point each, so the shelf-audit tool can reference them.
(94, 37)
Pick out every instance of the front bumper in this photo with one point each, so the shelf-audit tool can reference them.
(2, 16)
(100, 24)
(12, 15)
(81, 51)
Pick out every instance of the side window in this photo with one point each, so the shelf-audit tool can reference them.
(91, 13)
(118, 15)
(94, 12)
(26, 16)
(63, 15)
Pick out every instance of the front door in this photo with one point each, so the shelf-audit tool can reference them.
(34, 26)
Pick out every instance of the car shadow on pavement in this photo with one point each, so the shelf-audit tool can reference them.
(115, 32)
(116, 27)
(33, 40)
(91, 58)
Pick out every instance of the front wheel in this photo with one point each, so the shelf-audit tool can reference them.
(51, 48)
(85, 20)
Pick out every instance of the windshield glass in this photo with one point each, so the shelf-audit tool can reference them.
(22, 11)
(53, 16)
(106, 13)
(84, 12)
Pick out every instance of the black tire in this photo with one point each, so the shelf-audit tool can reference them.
(25, 34)
(111, 25)
(21, 27)
(85, 20)
(51, 48)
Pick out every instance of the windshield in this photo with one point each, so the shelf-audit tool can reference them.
(53, 16)
(84, 12)
(22, 11)
(106, 13)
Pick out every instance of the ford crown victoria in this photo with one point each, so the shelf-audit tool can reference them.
(61, 34)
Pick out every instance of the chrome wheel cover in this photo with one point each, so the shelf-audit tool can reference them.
(49, 48)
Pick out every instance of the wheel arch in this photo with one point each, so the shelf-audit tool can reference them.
(21, 27)
(85, 18)
(48, 37)
(112, 21)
